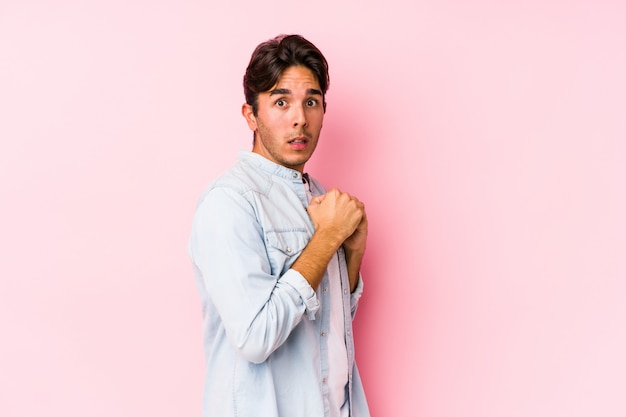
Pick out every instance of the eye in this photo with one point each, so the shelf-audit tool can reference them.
(311, 102)
(281, 102)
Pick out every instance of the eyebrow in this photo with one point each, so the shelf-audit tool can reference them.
(286, 91)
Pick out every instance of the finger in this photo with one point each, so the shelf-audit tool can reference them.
(317, 200)
(334, 191)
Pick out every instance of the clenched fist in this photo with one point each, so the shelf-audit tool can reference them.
(341, 214)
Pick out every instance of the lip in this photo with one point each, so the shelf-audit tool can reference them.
(299, 142)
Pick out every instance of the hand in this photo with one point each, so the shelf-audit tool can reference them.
(337, 213)
(356, 241)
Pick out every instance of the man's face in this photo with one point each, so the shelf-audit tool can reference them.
(289, 119)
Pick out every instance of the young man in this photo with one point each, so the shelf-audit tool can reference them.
(277, 258)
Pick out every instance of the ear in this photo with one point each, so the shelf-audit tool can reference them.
(248, 114)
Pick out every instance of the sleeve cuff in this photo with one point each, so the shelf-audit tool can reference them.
(358, 291)
(302, 286)
(356, 294)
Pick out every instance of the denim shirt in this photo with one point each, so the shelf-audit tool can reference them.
(264, 326)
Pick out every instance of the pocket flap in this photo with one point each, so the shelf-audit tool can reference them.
(288, 242)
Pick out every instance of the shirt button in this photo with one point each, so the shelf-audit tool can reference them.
(325, 289)
(348, 332)
(345, 291)
(323, 380)
(323, 334)
(288, 250)
(295, 175)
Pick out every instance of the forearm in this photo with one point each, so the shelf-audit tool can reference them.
(314, 259)
(353, 261)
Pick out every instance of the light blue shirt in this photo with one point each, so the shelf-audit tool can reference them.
(265, 328)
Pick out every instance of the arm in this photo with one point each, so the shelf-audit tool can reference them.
(257, 310)
(354, 247)
(338, 219)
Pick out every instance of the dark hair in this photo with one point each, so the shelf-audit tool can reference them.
(271, 58)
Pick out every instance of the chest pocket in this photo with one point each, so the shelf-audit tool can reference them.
(284, 247)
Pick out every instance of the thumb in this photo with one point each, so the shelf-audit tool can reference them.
(317, 199)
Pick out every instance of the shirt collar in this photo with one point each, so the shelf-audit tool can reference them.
(270, 167)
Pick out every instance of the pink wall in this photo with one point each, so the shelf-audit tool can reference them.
(488, 140)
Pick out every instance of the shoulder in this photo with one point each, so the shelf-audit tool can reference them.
(242, 178)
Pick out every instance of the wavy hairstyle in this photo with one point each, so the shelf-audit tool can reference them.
(271, 58)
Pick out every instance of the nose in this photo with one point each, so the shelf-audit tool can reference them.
(299, 117)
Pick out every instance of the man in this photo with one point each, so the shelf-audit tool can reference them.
(277, 259)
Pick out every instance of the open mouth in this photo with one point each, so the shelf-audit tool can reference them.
(298, 141)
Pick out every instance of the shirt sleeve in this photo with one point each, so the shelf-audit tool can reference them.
(257, 309)
(356, 294)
